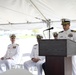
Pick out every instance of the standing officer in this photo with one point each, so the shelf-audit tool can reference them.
(67, 33)
(36, 60)
(12, 54)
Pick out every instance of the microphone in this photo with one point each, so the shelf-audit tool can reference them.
(49, 28)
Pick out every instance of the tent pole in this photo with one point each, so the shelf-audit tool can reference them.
(47, 21)
(48, 25)
(38, 9)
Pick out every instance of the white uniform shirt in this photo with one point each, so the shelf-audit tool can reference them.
(35, 53)
(69, 34)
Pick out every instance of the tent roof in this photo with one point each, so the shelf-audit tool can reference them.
(23, 11)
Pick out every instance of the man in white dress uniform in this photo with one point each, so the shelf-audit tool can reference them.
(36, 60)
(67, 33)
(12, 54)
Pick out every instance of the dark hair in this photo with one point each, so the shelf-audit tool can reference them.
(55, 34)
(39, 36)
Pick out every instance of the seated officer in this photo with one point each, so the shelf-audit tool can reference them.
(12, 54)
(36, 60)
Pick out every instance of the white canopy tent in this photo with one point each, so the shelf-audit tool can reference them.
(17, 14)
(30, 14)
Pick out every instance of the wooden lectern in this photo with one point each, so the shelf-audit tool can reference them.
(58, 55)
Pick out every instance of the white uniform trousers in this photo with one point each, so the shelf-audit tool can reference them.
(7, 64)
(74, 65)
(30, 63)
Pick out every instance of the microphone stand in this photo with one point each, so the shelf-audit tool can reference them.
(48, 24)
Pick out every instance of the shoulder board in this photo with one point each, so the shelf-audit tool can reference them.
(61, 31)
(17, 44)
(73, 30)
(35, 45)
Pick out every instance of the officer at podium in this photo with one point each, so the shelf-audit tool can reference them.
(67, 33)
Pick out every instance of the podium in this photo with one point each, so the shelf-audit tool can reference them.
(58, 54)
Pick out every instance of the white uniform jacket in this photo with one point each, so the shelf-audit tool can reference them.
(35, 53)
(13, 51)
(69, 34)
